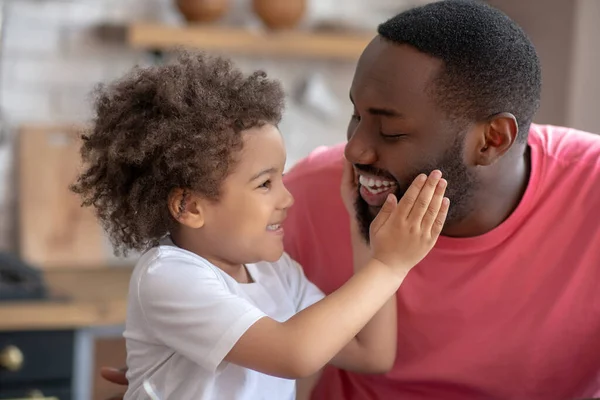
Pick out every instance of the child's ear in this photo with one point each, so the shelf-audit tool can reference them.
(186, 208)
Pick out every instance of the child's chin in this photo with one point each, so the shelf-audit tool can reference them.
(273, 255)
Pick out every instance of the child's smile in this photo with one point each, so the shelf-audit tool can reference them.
(245, 224)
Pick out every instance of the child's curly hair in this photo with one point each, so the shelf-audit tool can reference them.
(173, 126)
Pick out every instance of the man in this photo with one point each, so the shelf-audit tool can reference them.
(507, 305)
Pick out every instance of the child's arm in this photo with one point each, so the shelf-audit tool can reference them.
(401, 235)
(303, 344)
(373, 350)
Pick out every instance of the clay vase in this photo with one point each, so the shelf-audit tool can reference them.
(279, 14)
(202, 11)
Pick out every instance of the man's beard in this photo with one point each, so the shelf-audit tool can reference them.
(462, 184)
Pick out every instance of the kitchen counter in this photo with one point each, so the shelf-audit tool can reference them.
(78, 299)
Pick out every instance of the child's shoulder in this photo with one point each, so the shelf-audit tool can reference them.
(166, 265)
(286, 267)
(282, 264)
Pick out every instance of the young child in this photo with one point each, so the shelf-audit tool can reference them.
(184, 163)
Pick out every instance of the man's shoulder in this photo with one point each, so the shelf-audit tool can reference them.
(318, 213)
(567, 146)
(323, 164)
(567, 158)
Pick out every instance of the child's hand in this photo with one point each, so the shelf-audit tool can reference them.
(403, 233)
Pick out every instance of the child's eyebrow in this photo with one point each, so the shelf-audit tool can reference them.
(263, 172)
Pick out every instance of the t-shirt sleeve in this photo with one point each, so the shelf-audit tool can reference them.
(304, 292)
(190, 309)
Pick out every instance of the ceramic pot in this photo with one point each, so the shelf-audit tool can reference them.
(279, 14)
(202, 11)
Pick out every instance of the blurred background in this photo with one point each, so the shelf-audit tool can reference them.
(62, 293)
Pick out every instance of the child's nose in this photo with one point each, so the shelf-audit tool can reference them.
(288, 199)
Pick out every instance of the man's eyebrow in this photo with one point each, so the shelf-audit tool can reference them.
(385, 112)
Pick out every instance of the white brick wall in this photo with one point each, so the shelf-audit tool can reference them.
(51, 60)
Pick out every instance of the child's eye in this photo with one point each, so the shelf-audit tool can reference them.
(266, 185)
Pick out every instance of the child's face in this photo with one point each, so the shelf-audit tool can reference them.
(244, 226)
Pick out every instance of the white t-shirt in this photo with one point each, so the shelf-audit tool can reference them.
(184, 315)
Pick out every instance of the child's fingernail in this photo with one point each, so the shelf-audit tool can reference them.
(436, 173)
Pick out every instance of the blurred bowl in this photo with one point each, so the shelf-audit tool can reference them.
(202, 11)
(279, 14)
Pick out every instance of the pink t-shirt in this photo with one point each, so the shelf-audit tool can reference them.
(511, 314)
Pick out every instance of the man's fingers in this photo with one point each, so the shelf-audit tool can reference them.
(114, 375)
(348, 188)
(348, 176)
(347, 173)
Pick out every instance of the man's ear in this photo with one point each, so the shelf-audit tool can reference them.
(497, 137)
(186, 208)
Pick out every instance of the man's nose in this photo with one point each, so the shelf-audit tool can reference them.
(359, 151)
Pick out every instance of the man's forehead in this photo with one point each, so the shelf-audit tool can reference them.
(394, 66)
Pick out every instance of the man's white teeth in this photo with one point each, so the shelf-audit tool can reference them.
(375, 185)
(377, 190)
(273, 227)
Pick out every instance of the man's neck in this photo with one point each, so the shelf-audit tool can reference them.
(495, 201)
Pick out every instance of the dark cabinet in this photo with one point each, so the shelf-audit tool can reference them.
(36, 363)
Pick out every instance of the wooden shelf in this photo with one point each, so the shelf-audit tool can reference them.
(243, 41)
(78, 298)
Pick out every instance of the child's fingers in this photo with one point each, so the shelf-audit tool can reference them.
(421, 205)
(409, 198)
(384, 214)
(434, 206)
(438, 224)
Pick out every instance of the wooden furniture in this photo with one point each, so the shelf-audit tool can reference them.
(52, 347)
(108, 351)
(55, 231)
(78, 299)
(36, 363)
(295, 43)
(57, 346)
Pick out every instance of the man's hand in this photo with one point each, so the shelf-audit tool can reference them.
(116, 376)
(349, 187)
(361, 253)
